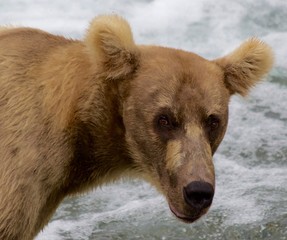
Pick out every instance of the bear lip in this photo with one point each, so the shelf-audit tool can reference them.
(183, 217)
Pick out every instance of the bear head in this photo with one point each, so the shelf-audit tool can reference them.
(174, 106)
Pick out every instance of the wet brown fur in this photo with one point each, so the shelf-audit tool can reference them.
(77, 114)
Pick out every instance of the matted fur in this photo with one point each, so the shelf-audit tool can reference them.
(78, 114)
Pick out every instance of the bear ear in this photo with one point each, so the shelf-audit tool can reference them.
(110, 42)
(246, 65)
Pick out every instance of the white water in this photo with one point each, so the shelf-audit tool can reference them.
(251, 163)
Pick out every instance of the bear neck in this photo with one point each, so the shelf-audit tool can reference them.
(98, 141)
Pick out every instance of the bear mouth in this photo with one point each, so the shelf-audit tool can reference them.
(183, 217)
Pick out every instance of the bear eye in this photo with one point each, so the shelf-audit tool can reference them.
(213, 122)
(165, 124)
(163, 121)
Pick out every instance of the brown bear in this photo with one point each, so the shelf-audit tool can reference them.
(78, 114)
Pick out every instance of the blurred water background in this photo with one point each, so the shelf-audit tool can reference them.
(251, 163)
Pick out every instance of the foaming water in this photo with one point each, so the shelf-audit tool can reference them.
(251, 166)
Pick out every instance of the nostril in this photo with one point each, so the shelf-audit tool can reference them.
(198, 194)
(200, 197)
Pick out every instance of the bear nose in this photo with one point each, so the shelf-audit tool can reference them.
(198, 194)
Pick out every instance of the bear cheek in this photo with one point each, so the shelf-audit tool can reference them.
(146, 150)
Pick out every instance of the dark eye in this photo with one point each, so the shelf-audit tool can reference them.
(166, 125)
(213, 122)
(163, 121)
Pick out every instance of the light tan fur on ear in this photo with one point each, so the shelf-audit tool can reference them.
(3, 28)
(246, 65)
(111, 45)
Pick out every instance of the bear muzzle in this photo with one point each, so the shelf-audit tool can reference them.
(183, 217)
(197, 198)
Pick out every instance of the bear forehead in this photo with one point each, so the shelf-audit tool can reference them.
(166, 65)
(170, 77)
